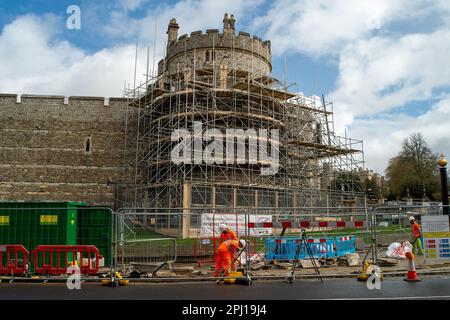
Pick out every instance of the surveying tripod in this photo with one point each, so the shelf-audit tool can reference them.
(303, 241)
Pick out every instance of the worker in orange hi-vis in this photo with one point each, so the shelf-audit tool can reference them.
(226, 233)
(416, 234)
(225, 255)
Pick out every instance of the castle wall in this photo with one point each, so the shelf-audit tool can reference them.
(43, 148)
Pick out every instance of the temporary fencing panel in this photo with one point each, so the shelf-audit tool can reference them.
(95, 228)
(144, 254)
(56, 223)
(204, 250)
(144, 238)
(37, 223)
(13, 259)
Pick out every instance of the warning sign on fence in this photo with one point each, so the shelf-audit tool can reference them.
(436, 235)
(211, 222)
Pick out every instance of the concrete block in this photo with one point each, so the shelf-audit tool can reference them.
(353, 259)
(307, 264)
(165, 274)
(257, 265)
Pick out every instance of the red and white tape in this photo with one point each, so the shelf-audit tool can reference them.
(308, 224)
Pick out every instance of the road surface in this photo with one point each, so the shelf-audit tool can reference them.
(391, 288)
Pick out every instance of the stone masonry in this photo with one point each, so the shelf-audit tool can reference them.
(58, 149)
(211, 49)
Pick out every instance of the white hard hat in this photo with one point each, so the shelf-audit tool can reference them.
(243, 242)
(223, 227)
(411, 218)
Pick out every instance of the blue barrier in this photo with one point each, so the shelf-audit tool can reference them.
(285, 248)
(320, 248)
(345, 245)
(280, 249)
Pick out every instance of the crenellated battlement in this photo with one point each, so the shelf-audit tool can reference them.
(214, 39)
(211, 45)
(27, 99)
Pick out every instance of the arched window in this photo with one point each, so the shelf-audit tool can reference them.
(207, 56)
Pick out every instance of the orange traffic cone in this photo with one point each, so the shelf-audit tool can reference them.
(412, 275)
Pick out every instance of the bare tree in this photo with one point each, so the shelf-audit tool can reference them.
(413, 169)
(416, 150)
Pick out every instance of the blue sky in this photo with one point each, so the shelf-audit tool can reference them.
(382, 63)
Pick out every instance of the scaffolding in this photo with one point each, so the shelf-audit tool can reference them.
(317, 168)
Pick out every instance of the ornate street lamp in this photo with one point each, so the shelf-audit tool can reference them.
(444, 183)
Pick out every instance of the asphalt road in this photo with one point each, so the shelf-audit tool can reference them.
(392, 288)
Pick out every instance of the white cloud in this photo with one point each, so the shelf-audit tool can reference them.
(321, 27)
(381, 73)
(25, 45)
(383, 135)
(33, 60)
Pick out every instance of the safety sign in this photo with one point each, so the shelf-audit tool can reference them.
(436, 236)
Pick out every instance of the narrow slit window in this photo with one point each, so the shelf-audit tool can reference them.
(207, 56)
(87, 145)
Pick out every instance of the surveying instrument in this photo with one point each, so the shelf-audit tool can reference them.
(303, 243)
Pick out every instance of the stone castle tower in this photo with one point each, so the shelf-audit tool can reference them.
(225, 52)
(214, 69)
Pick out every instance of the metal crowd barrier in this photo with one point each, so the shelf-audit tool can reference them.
(13, 259)
(55, 259)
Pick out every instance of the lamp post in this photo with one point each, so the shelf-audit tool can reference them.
(444, 183)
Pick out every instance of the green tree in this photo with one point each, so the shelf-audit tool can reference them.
(413, 169)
